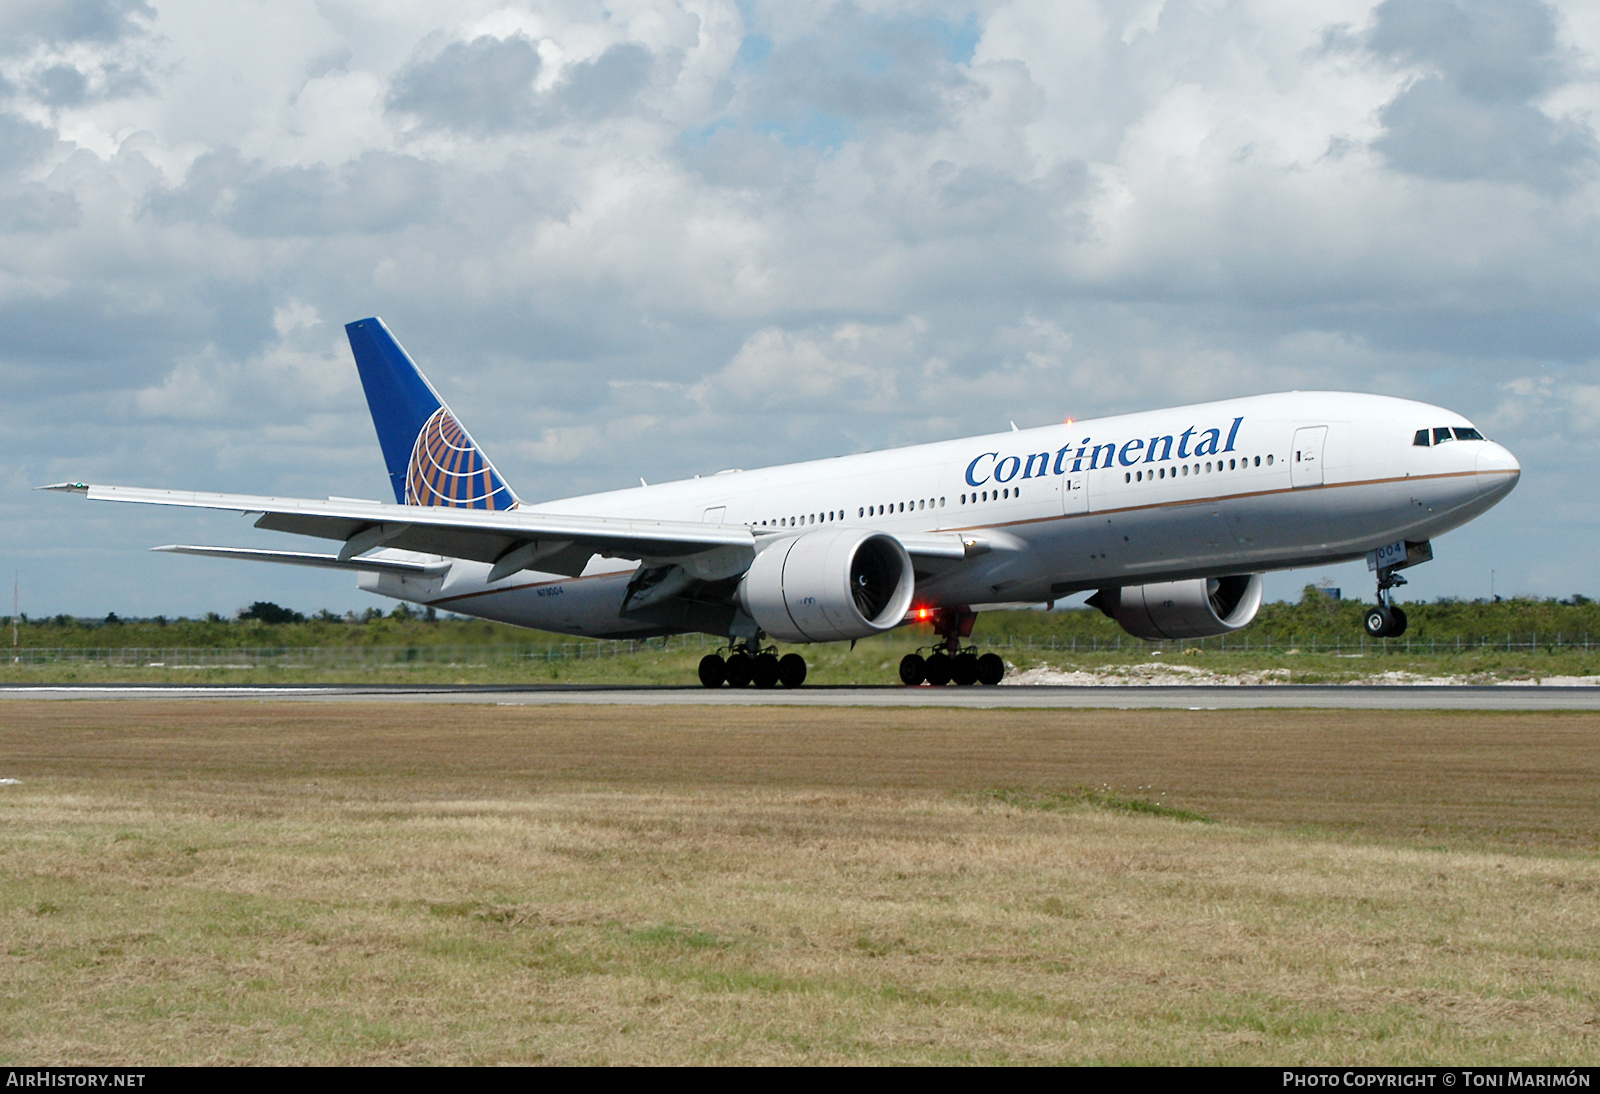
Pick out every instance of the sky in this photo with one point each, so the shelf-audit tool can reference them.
(662, 237)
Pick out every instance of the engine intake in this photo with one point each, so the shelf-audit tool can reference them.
(828, 586)
(1199, 608)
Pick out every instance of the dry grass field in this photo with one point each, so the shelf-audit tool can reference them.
(275, 883)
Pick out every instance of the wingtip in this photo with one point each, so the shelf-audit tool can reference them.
(68, 487)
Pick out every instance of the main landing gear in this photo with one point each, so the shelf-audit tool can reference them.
(747, 663)
(1386, 620)
(948, 662)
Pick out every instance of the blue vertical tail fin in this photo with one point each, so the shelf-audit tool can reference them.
(432, 459)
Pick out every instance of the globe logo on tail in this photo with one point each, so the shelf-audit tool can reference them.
(447, 469)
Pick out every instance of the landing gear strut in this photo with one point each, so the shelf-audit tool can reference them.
(946, 661)
(746, 663)
(1386, 620)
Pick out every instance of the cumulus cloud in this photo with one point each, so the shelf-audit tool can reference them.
(74, 21)
(375, 192)
(852, 68)
(297, 376)
(483, 85)
(491, 85)
(22, 142)
(1473, 110)
(853, 365)
(607, 85)
(37, 209)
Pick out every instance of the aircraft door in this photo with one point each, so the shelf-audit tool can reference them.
(1074, 494)
(1305, 458)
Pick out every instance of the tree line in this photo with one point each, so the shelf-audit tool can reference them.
(1313, 616)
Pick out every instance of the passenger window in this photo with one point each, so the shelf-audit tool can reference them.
(1421, 439)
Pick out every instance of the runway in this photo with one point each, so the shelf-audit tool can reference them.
(1281, 696)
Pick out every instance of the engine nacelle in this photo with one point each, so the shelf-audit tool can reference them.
(1201, 608)
(828, 586)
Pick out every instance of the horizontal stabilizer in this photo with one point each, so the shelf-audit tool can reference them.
(325, 562)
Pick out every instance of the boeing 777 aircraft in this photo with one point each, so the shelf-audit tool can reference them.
(1170, 515)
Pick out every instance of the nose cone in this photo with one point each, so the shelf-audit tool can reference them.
(1498, 472)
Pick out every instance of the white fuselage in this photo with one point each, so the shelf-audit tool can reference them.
(1240, 486)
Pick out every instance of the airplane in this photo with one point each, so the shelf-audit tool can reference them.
(1170, 516)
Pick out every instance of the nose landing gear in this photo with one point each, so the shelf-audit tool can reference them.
(948, 662)
(1386, 620)
(747, 663)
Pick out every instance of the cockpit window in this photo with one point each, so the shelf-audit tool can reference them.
(1440, 434)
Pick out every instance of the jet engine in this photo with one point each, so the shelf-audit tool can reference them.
(826, 586)
(1200, 608)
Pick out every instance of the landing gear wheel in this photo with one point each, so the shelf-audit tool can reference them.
(1378, 622)
(991, 669)
(1386, 620)
(713, 671)
(791, 670)
(964, 669)
(937, 671)
(765, 672)
(740, 669)
(913, 670)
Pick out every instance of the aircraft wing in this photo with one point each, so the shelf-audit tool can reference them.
(509, 540)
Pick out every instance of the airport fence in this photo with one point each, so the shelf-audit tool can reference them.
(334, 657)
